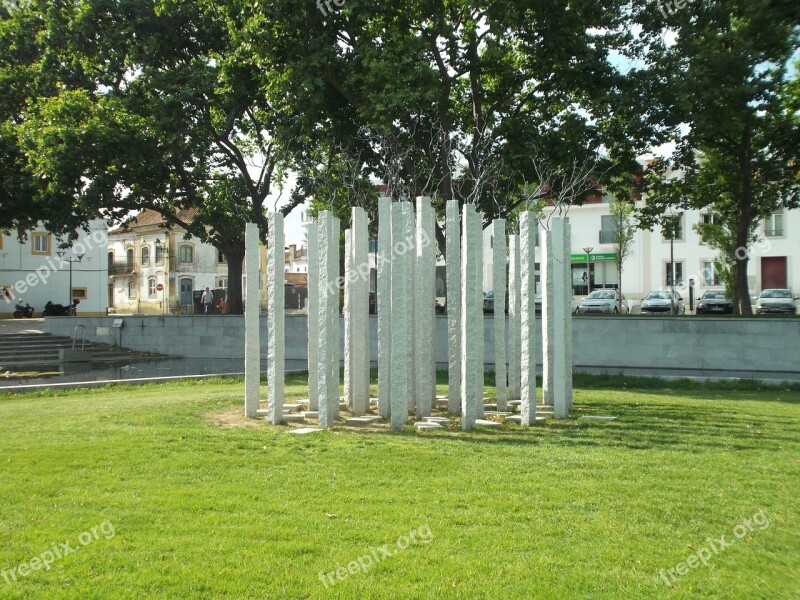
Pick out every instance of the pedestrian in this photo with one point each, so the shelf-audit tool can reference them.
(207, 298)
(222, 306)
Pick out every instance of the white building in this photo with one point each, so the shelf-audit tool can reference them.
(154, 270)
(39, 270)
(773, 259)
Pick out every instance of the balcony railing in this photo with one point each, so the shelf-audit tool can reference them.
(121, 268)
(608, 236)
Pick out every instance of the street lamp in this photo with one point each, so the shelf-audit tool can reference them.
(70, 260)
(588, 250)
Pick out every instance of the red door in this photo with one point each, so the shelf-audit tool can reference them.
(773, 272)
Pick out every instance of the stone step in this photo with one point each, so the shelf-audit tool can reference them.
(293, 418)
(292, 408)
(518, 419)
(425, 425)
(305, 430)
(310, 414)
(365, 420)
(440, 420)
(485, 423)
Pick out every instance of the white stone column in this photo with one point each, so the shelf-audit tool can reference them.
(275, 323)
(312, 319)
(384, 306)
(471, 318)
(499, 287)
(560, 314)
(425, 303)
(334, 359)
(356, 317)
(252, 341)
(477, 234)
(548, 290)
(528, 317)
(568, 310)
(347, 314)
(514, 307)
(453, 304)
(328, 376)
(406, 246)
(401, 348)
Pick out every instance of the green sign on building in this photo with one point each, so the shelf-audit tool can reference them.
(599, 257)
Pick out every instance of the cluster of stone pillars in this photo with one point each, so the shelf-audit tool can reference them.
(406, 301)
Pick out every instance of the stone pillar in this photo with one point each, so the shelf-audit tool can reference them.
(568, 310)
(514, 307)
(453, 304)
(356, 313)
(275, 323)
(401, 311)
(471, 318)
(334, 357)
(560, 314)
(499, 287)
(312, 304)
(527, 261)
(328, 376)
(548, 291)
(405, 245)
(425, 303)
(384, 306)
(252, 341)
(347, 314)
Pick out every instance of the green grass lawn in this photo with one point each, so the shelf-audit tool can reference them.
(190, 500)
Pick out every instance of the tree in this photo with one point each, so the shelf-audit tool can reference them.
(737, 143)
(622, 209)
(461, 92)
(158, 112)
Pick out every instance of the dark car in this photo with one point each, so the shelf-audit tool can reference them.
(714, 302)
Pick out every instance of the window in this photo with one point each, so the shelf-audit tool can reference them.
(710, 275)
(129, 259)
(1, 241)
(303, 216)
(159, 254)
(672, 228)
(608, 229)
(678, 273)
(221, 258)
(41, 243)
(710, 219)
(80, 293)
(131, 289)
(187, 254)
(110, 260)
(222, 283)
(145, 256)
(773, 225)
(151, 284)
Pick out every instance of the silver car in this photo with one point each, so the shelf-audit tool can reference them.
(603, 302)
(776, 301)
(658, 302)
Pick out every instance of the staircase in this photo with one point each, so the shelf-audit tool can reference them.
(41, 349)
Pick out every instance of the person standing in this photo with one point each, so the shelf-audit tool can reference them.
(207, 298)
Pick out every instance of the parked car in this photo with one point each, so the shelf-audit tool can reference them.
(714, 301)
(776, 301)
(659, 302)
(488, 302)
(538, 304)
(603, 301)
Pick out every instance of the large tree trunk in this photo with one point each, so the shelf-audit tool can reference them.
(743, 226)
(235, 257)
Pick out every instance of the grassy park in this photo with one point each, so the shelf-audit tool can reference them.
(166, 491)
